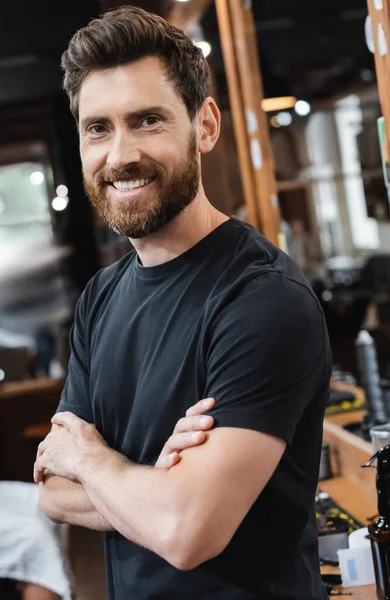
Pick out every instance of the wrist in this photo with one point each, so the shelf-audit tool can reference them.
(90, 462)
(103, 462)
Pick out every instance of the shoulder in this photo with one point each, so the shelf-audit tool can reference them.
(272, 305)
(260, 279)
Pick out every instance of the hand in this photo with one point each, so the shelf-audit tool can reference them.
(64, 447)
(189, 432)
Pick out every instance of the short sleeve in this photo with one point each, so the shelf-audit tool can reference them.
(268, 356)
(76, 395)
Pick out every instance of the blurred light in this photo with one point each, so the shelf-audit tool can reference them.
(62, 190)
(60, 203)
(275, 104)
(284, 119)
(37, 178)
(369, 34)
(181, 0)
(2, 375)
(274, 122)
(327, 296)
(205, 47)
(302, 108)
(367, 75)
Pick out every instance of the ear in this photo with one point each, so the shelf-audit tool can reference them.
(209, 123)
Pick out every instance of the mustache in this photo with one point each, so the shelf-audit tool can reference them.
(128, 174)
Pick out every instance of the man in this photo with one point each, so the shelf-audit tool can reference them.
(204, 307)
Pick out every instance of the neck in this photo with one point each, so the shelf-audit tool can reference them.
(194, 223)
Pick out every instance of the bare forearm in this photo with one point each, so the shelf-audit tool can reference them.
(65, 501)
(138, 501)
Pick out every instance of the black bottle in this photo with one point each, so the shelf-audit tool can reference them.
(369, 374)
(379, 531)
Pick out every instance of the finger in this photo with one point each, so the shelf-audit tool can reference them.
(66, 419)
(168, 461)
(194, 424)
(200, 407)
(41, 449)
(38, 472)
(181, 441)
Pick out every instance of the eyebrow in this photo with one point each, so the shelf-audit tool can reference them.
(135, 115)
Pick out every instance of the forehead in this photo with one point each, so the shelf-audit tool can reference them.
(125, 88)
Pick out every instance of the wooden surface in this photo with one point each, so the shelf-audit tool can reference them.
(24, 405)
(348, 453)
(31, 387)
(353, 488)
(345, 418)
(382, 18)
(253, 93)
(237, 109)
(238, 39)
(347, 494)
(365, 592)
(37, 432)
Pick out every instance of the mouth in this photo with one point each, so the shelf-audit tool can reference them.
(129, 189)
(126, 186)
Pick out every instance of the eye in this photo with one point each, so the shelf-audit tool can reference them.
(150, 121)
(96, 129)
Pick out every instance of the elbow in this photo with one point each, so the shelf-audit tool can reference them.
(191, 558)
(189, 547)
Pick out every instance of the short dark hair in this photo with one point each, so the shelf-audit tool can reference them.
(127, 34)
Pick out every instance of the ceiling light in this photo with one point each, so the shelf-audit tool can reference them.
(275, 104)
(284, 119)
(37, 178)
(302, 108)
(60, 203)
(62, 190)
(205, 47)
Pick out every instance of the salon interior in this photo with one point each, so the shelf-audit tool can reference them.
(303, 156)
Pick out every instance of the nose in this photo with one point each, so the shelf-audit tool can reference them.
(123, 152)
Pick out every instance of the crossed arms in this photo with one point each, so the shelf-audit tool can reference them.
(263, 373)
(187, 514)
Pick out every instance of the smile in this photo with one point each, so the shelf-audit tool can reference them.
(125, 186)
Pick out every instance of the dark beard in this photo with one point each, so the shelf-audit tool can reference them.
(139, 218)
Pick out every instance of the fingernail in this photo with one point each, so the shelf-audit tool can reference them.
(204, 421)
(196, 435)
(208, 400)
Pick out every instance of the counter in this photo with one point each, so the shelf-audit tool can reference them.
(352, 487)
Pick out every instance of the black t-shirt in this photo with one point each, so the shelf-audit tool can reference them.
(232, 318)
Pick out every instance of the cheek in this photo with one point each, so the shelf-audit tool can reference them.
(91, 161)
(167, 154)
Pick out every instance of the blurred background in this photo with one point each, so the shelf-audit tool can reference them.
(322, 107)
(302, 156)
(315, 109)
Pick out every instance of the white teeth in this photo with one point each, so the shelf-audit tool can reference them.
(125, 186)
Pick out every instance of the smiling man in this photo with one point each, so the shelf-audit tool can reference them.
(203, 307)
